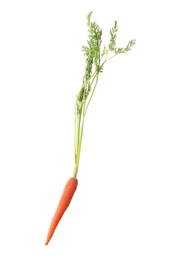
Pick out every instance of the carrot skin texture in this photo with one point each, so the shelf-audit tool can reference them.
(64, 202)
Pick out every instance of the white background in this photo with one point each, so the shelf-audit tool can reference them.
(123, 207)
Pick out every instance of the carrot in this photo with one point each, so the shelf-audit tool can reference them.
(64, 202)
(96, 58)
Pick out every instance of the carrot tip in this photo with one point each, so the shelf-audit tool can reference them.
(47, 242)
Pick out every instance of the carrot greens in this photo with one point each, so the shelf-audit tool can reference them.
(94, 64)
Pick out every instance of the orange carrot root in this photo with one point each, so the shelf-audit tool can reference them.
(64, 202)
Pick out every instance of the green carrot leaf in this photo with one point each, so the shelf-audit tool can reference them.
(113, 34)
(95, 60)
